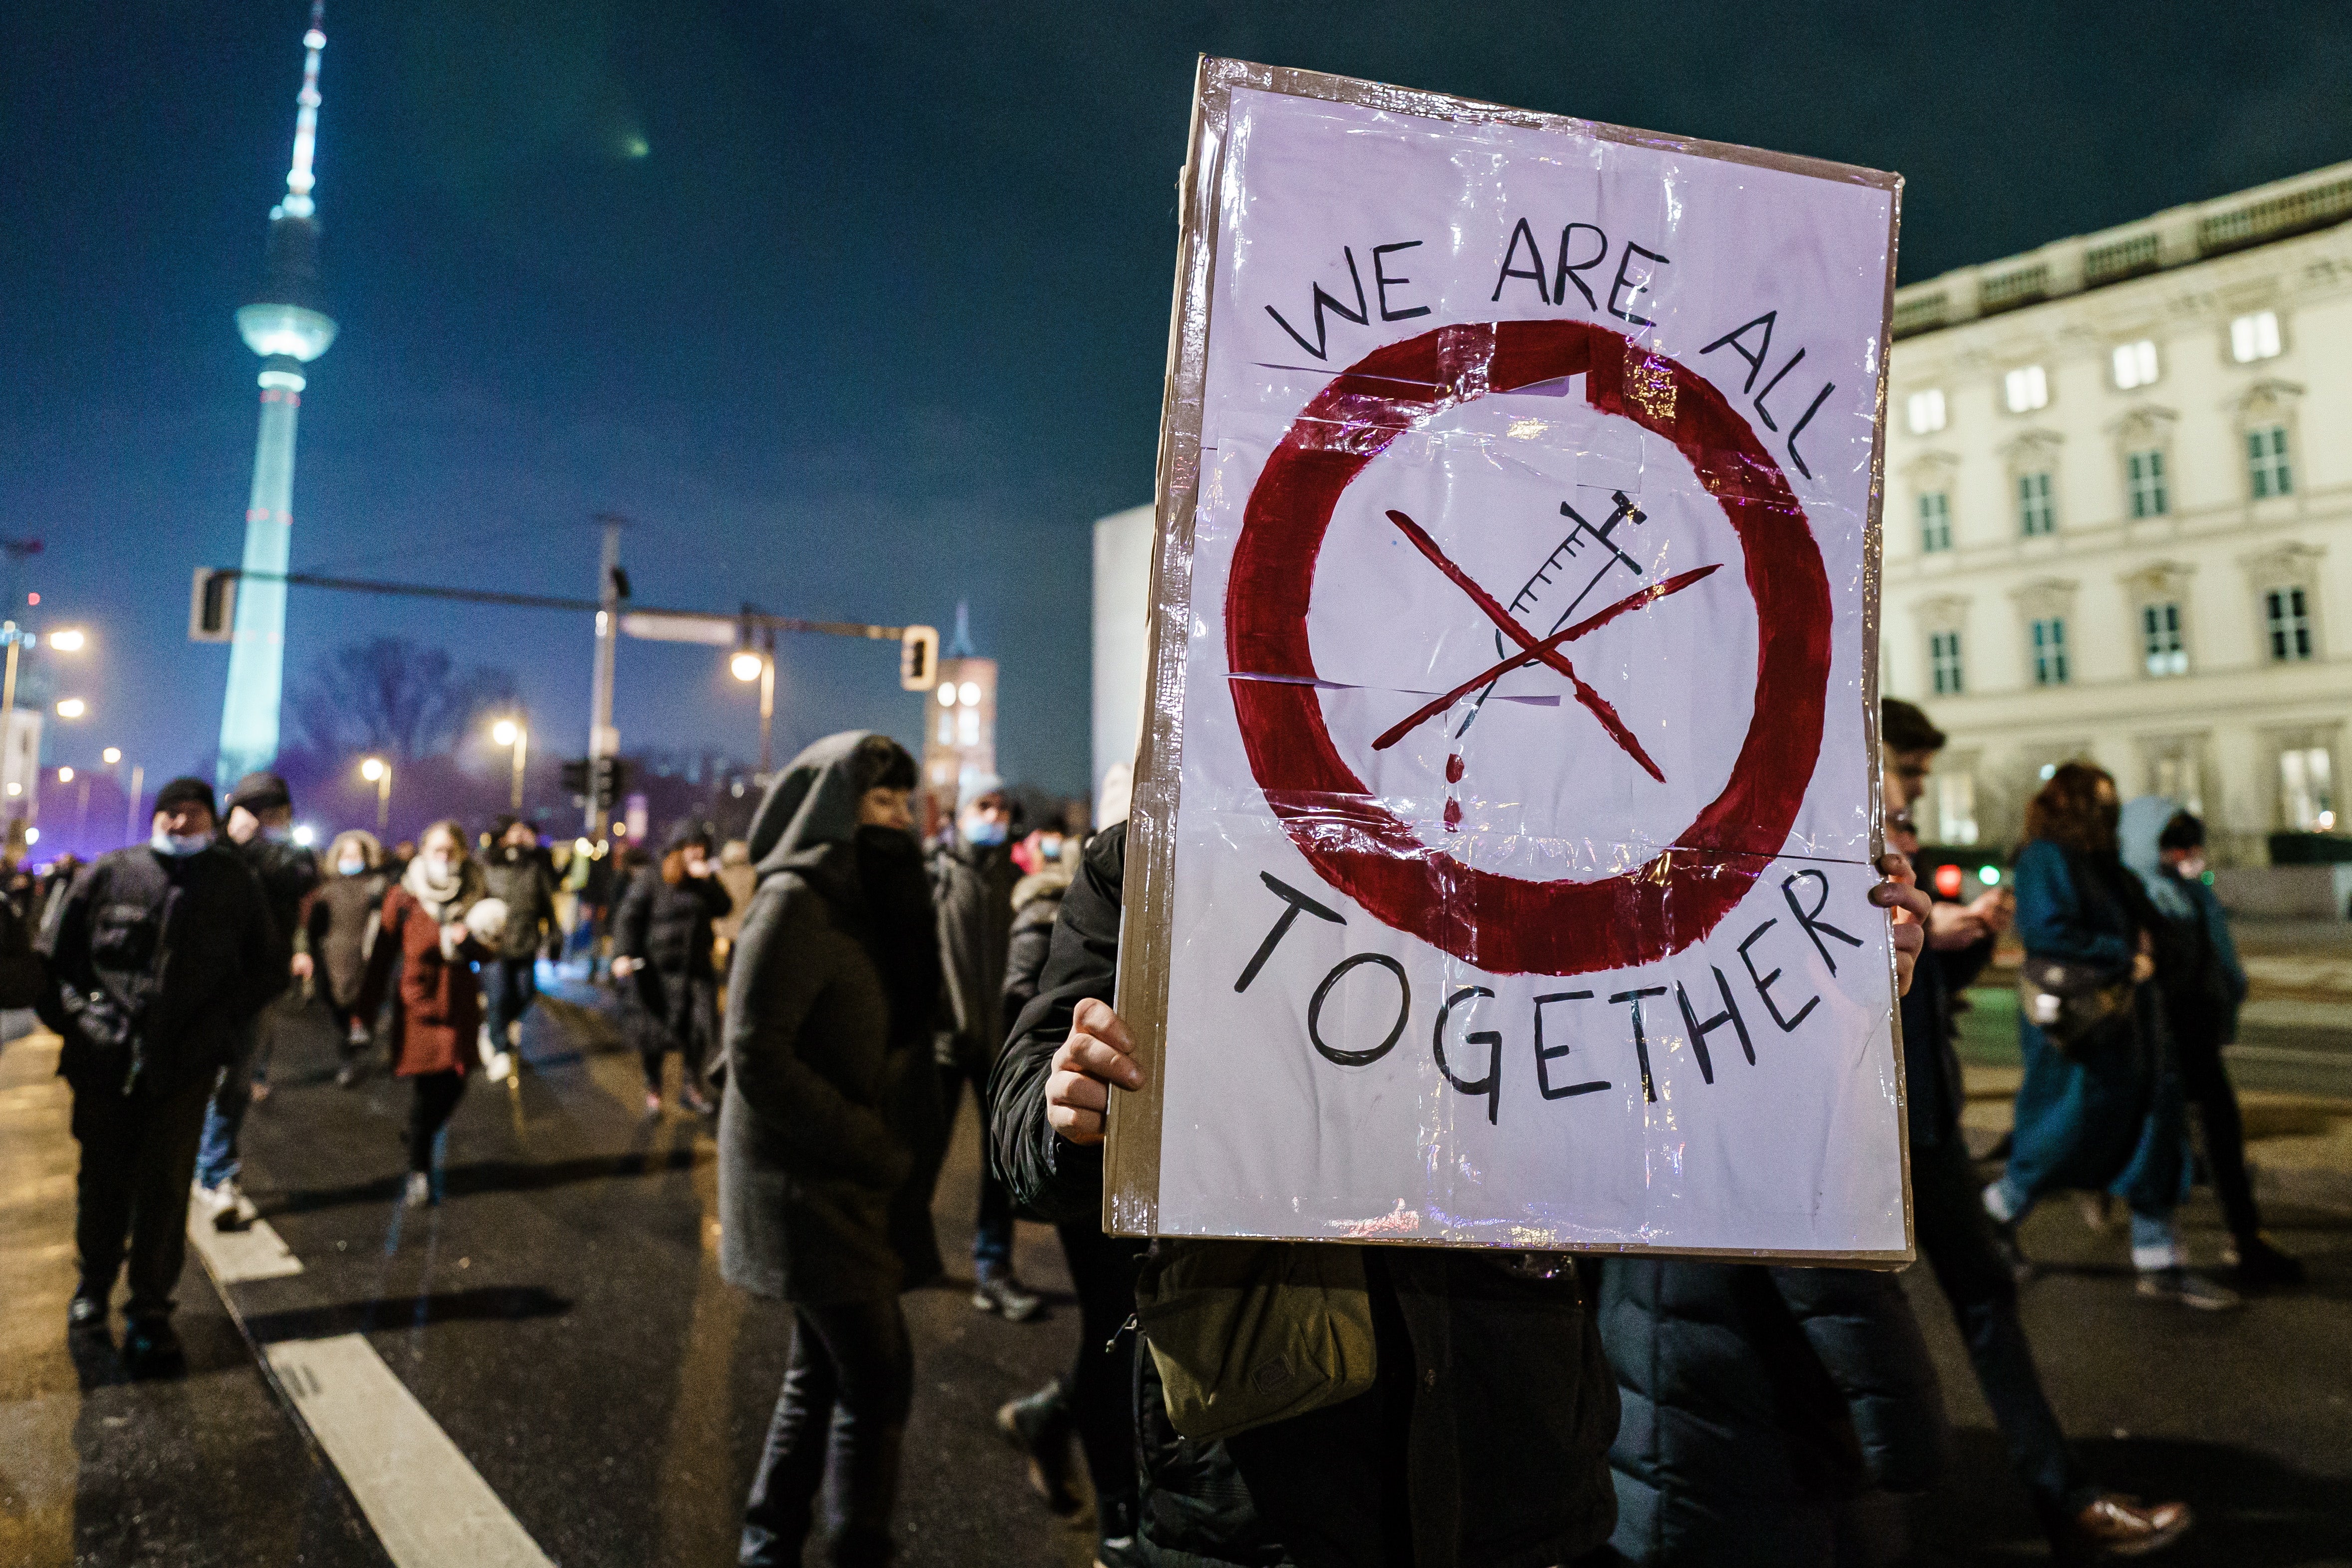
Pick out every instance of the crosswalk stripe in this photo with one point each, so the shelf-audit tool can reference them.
(253, 1252)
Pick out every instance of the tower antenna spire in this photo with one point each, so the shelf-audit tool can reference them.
(298, 179)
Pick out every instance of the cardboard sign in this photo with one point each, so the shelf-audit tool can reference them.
(1503, 819)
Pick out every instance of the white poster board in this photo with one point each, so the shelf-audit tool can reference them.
(1503, 819)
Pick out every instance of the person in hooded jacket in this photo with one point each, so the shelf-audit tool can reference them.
(342, 929)
(2204, 985)
(438, 925)
(514, 872)
(2104, 1113)
(663, 940)
(830, 1088)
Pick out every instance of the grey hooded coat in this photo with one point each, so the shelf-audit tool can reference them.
(821, 1104)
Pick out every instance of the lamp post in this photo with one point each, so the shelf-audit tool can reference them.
(65, 640)
(760, 665)
(507, 732)
(378, 772)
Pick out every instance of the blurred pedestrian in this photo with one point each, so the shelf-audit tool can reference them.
(736, 875)
(662, 942)
(1948, 1218)
(829, 1084)
(516, 873)
(161, 954)
(260, 829)
(2100, 1105)
(437, 924)
(2204, 985)
(342, 924)
(972, 876)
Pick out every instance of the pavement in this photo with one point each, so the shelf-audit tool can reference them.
(546, 1368)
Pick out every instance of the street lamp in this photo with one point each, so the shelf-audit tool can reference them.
(68, 639)
(507, 732)
(71, 707)
(111, 756)
(760, 665)
(378, 772)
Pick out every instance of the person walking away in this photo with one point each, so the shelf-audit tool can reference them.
(663, 941)
(2102, 1108)
(972, 877)
(829, 1084)
(342, 924)
(438, 925)
(2203, 986)
(160, 955)
(2083, 1520)
(260, 829)
(514, 872)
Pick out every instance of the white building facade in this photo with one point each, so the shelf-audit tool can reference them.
(2118, 519)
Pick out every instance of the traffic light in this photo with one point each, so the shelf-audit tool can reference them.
(212, 606)
(575, 779)
(611, 776)
(919, 657)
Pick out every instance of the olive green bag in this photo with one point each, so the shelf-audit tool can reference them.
(1248, 1332)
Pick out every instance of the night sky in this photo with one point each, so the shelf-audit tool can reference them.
(859, 310)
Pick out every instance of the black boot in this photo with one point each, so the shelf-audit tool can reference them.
(1040, 1426)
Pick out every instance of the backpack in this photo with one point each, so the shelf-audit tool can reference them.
(1246, 1333)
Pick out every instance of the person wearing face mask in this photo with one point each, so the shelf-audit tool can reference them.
(343, 927)
(2100, 1105)
(160, 955)
(662, 938)
(517, 874)
(972, 877)
(261, 828)
(2204, 985)
(439, 925)
(829, 1090)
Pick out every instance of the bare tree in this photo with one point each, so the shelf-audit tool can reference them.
(392, 694)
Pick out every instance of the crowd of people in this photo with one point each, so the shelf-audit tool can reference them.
(835, 988)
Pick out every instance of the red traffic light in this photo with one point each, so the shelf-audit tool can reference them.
(1947, 880)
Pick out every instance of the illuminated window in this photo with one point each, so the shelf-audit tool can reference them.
(1925, 410)
(2254, 336)
(2135, 364)
(2036, 513)
(2306, 788)
(2286, 615)
(2161, 644)
(968, 725)
(2267, 470)
(1956, 807)
(1944, 663)
(2049, 652)
(2026, 388)
(1935, 521)
(2144, 479)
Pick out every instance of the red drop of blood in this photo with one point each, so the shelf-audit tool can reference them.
(1453, 816)
(1454, 768)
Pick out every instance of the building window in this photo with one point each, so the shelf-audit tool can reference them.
(2049, 652)
(1935, 521)
(2135, 364)
(2306, 790)
(1956, 807)
(1944, 663)
(2254, 336)
(2287, 614)
(2161, 644)
(2026, 388)
(1926, 412)
(2036, 513)
(2266, 466)
(2144, 478)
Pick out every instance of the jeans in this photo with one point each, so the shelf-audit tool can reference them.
(509, 987)
(137, 1153)
(216, 1158)
(991, 1231)
(847, 1392)
(1102, 1382)
(2155, 1234)
(1948, 1213)
(433, 1098)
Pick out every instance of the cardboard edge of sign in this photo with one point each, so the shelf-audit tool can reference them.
(1131, 1154)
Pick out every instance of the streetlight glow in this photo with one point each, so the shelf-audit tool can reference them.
(113, 755)
(504, 732)
(65, 775)
(947, 694)
(372, 770)
(746, 666)
(72, 707)
(305, 834)
(68, 639)
(969, 692)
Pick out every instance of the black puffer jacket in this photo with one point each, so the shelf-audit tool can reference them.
(288, 873)
(973, 888)
(669, 925)
(155, 961)
(520, 879)
(1512, 1407)
(1757, 1400)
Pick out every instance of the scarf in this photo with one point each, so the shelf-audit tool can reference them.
(902, 929)
(443, 899)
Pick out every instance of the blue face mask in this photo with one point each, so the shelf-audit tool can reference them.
(983, 832)
(164, 843)
(351, 867)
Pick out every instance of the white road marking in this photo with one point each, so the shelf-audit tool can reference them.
(427, 1504)
(256, 1252)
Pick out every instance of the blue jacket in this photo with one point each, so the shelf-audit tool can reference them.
(2198, 966)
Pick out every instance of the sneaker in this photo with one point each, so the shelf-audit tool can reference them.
(1040, 1427)
(419, 1191)
(653, 1105)
(223, 1205)
(2259, 1266)
(2178, 1284)
(501, 1066)
(695, 1101)
(86, 1313)
(150, 1349)
(998, 1291)
(2113, 1525)
(2011, 1251)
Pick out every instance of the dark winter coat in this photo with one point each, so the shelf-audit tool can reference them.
(523, 879)
(156, 961)
(668, 928)
(438, 1006)
(24, 973)
(1036, 903)
(829, 1079)
(973, 887)
(343, 924)
(1933, 1094)
(286, 873)
(1513, 1407)
(1757, 1400)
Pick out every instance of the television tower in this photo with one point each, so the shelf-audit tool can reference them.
(288, 327)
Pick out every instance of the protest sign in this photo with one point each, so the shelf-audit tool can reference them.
(1504, 815)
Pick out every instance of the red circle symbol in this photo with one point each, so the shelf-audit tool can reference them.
(1505, 925)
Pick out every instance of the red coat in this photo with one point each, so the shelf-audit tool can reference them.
(438, 1010)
